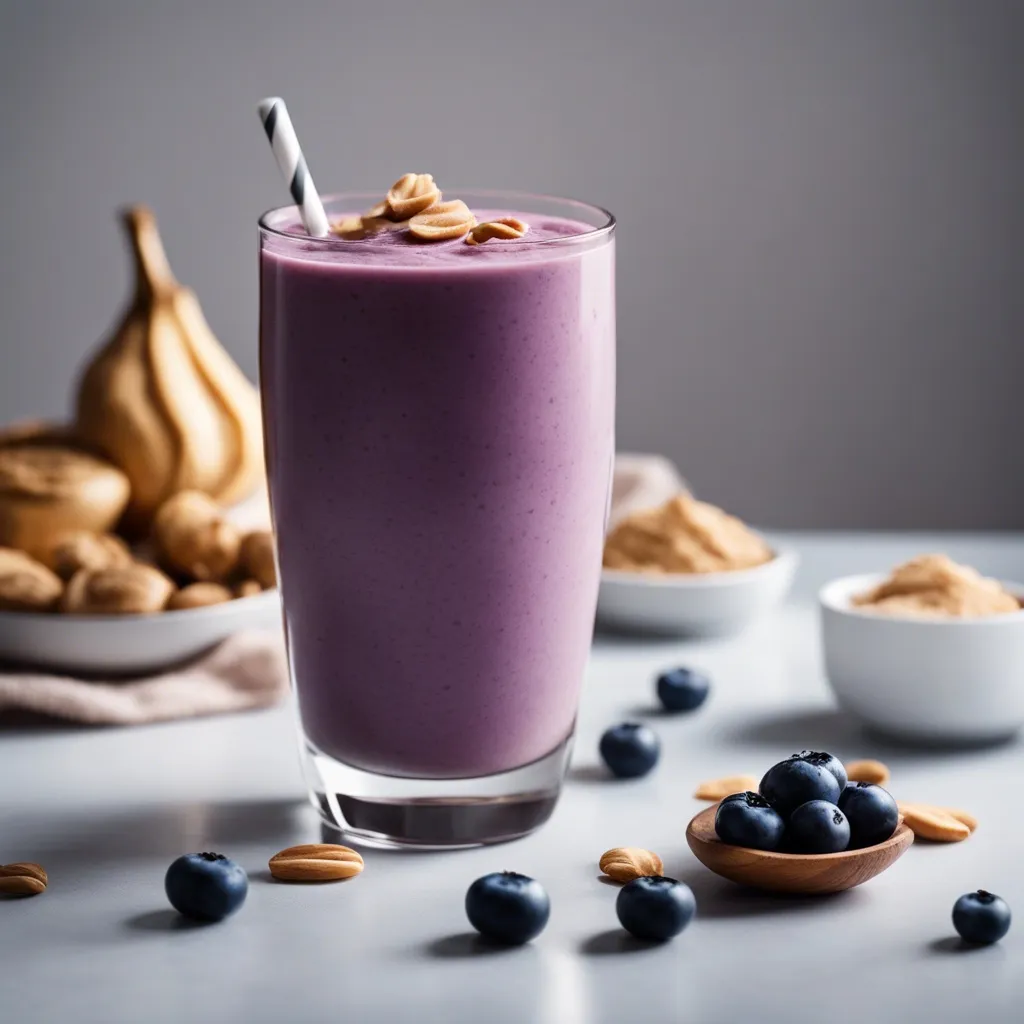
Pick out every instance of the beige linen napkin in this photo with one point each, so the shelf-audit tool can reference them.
(246, 671)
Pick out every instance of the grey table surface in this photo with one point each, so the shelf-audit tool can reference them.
(106, 811)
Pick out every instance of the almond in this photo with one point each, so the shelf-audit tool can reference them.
(504, 228)
(868, 771)
(443, 220)
(625, 863)
(934, 823)
(22, 879)
(410, 195)
(719, 789)
(315, 862)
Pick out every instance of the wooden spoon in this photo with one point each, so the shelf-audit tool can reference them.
(811, 874)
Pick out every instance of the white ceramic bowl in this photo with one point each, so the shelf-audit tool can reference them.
(957, 681)
(129, 644)
(699, 605)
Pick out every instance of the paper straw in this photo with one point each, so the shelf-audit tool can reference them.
(285, 144)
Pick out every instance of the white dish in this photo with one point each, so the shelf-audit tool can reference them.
(704, 605)
(129, 644)
(929, 680)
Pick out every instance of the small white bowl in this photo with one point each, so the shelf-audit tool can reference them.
(927, 680)
(129, 644)
(693, 605)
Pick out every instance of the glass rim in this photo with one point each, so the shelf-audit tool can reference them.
(605, 229)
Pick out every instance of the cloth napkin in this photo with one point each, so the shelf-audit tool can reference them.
(246, 671)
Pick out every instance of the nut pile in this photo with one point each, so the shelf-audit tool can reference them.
(194, 557)
(414, 204)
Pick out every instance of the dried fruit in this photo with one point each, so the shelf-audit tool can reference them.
(134, 589)
(85, 550)
(256, 558)
(315, 862)
(719, 789)
(442, 221)
(624, 863)
(409, 196)
(505, 229)
(868, 770)
(934, 823)
(192, 537)
(198, 595)
(248, 588)
(22, 879)
(48, 491)
(25, 584)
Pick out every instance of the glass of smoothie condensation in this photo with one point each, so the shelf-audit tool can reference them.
(440, 439)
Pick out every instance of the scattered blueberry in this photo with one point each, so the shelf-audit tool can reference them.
(654, 908)
(630, 750)
(981, 917)
(800, 778)
(508, 907)
(206, 886)
(818, 826)
(747, 819)
(682, 689)
(871, 812)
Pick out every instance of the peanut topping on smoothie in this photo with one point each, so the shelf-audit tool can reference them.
(505, 228)
(934, 585)
(411, 194)
(686, 536)
(414, 205)
(441, 221)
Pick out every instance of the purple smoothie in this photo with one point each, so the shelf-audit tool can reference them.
(440, 432)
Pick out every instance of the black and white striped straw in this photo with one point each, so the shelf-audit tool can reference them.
(285, 144)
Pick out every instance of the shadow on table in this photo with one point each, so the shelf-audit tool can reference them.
(163, 921)
(832, 729)
(719, 899)
(76, 844)
(613, 941)
(464, 945)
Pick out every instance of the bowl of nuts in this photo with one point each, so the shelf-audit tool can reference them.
(92, 602)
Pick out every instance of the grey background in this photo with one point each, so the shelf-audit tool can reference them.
(821, 315)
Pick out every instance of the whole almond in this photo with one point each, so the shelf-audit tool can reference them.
(934, 823)
(625, 863)
(868, 770)
(505, 229)
(315, 862)
(441, 221)
(410, 195)
(719, 789)
(22, 879)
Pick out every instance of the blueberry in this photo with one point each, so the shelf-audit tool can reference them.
(871, 812)
(802, 777)
(655, 908)
(818, 826)
(981, 918)
(682, 689)
(747, 819)
(508, 907)
(630, 750)
(206, 886)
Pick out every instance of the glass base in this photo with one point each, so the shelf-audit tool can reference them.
(434, 814)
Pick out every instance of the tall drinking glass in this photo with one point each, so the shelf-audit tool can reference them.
(440, 435)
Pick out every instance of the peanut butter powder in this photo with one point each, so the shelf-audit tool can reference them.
(684, 536)
(934, 585)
